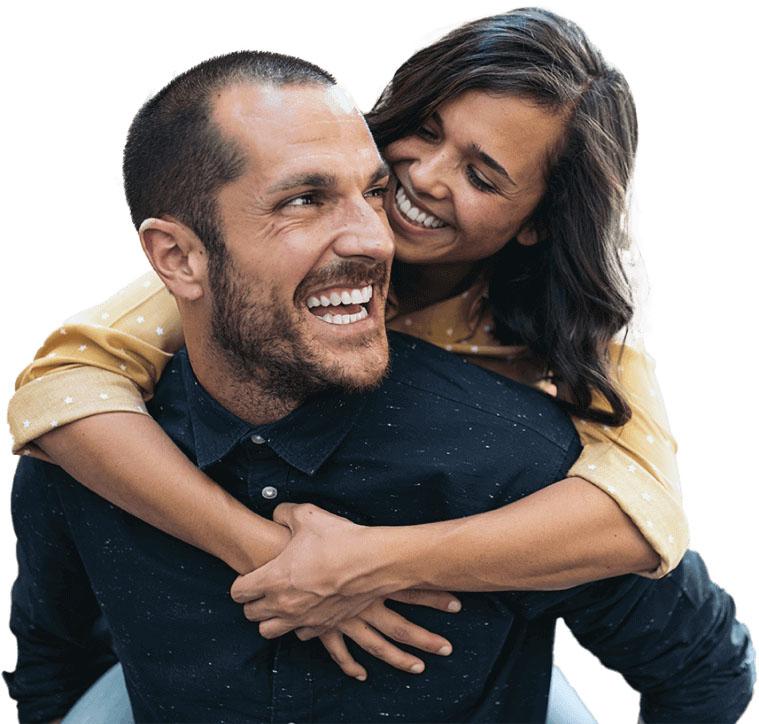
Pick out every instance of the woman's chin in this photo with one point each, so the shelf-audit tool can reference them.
(412, 252)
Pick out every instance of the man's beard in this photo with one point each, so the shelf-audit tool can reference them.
(264, 345)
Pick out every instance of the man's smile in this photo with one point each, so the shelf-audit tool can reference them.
(347, 304)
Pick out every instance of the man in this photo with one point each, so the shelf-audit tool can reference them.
(277, 402)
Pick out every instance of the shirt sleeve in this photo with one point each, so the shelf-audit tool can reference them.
(636, 464)
(675, 640)
(63, 644)
(104, 359)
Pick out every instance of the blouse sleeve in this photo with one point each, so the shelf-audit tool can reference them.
(635, 464)
(105, 359)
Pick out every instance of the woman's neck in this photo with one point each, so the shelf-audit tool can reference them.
(418, 285)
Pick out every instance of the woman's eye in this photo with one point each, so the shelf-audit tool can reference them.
(478, 182)
(377, 192)
(426, 134)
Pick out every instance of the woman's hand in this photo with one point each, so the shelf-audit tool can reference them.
(329, 572)
(367, 631)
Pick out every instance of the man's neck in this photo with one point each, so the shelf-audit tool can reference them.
(235, 390)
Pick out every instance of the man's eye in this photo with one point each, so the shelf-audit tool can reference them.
(478, 182)
(303, 200)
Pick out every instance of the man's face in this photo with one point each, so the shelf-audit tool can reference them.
(299, 300)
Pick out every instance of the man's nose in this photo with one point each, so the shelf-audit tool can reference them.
(364, 232)
(427, 174)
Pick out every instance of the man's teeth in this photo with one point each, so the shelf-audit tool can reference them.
(412, 213)
(344, 297)
(345, 318)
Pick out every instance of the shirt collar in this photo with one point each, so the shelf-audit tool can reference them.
(304, 439)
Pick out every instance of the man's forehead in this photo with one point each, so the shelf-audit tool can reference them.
(276, 123)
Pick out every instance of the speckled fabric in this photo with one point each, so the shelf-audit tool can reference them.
(399, 455)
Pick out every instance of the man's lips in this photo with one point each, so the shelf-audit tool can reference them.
(341, 305)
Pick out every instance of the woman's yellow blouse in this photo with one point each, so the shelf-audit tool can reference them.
(108, 359)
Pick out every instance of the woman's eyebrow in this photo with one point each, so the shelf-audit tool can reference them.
(382, 171)
(476, 150)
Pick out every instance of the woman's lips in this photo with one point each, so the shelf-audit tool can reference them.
(414, 214)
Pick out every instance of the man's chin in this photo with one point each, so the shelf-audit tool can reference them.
(359, 370)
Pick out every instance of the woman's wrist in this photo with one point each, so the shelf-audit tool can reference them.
(385, 559)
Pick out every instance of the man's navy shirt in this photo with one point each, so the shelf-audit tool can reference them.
(439, 439)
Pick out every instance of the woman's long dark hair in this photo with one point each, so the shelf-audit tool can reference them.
(567, 296)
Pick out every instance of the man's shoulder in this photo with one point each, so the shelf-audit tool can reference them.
(432, 372)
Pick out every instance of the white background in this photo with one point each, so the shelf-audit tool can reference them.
(74, 74)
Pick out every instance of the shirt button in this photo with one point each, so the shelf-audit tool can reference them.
(257, 439)
(269, 492)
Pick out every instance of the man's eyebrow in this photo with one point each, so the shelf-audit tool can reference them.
(314, 180)
(476, 150)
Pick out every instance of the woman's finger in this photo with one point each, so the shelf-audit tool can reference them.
(335, 644)
(379, 647)
(440, 600)
(306, 633)
(275, 627)
(248, 587)
(400, 629)
(257, 610)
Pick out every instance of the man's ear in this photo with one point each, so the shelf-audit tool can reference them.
(177, 255)
(527, 236)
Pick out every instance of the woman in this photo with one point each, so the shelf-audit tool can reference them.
(512, 144)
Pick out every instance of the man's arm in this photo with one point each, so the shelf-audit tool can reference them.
(675, 640)
(62, 645)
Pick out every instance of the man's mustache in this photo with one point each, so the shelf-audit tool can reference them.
(344, 274)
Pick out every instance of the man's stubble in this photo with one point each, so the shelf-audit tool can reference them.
(266, 346)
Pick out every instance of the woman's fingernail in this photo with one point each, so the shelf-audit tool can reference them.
(361, 677)
(417, 668)
(454, 606)
(445, 650)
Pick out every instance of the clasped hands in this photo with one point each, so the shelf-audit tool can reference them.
(332, 580)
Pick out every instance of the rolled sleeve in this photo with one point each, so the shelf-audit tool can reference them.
(636, 464)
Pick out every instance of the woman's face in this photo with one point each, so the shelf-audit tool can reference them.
(468, 180)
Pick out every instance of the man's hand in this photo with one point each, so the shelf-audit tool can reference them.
(329, 571)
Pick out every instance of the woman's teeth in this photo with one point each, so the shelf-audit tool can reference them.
(413, 214)
(345, 297)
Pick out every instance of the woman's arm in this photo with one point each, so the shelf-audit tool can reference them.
(541, 542)
(636, 464)
(149, 477)
(624, 515)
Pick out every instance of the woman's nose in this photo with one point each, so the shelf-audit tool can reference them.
(429, 175)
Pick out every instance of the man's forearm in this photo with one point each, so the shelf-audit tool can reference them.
(566, 534)
(149, 477)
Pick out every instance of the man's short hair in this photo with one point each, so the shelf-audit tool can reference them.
(176, 158)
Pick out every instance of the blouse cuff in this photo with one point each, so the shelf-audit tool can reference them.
(64, 396)
(655, 510)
